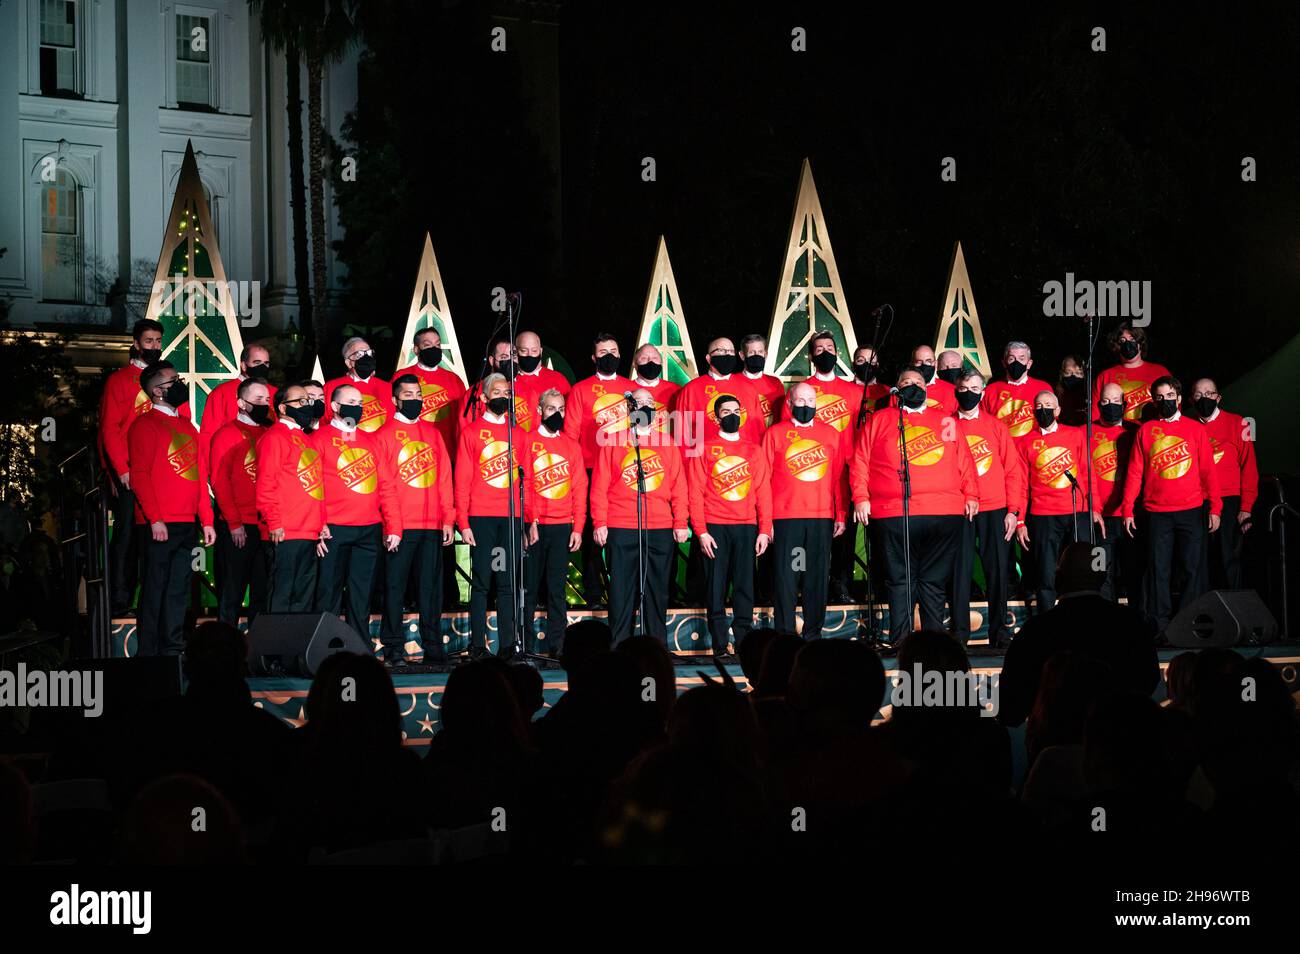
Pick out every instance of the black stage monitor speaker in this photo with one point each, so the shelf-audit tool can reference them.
(295, 644)
(1222, 618)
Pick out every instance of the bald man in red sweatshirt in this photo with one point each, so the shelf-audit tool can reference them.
(1172, 470)
(170, 492)
(641, 461)
(1112, 442)
(805, 459)
(1232, 440)
(944, 493)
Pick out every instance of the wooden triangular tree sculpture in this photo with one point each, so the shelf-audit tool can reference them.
(663, 323)
(959, 322)
(191, 296)
(810, 297)
(316, 373)
(429, 309)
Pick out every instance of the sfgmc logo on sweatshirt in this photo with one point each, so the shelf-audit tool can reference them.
(417, 465)
(730, 476)
(608, 413)
(250, 460)
(183, 456)
(523, 412)
(141, 405)
(552, 474)
(1105, 457)
(765, 406)
(807, 460)
(981, 451)
(437, 403)
(357, 467)
(711, 394)
(652, 465)
(1017, 413)
(1217, 448)
(1137, 393)
(311, 476)
(832, 409)
(924, 446)
(1051, 463)
(372, 414)
(1171, 457)
(494, 461)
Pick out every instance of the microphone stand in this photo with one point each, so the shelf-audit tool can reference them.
(640, 528)
(905, 475)
(1074, 505)
(1087, 421)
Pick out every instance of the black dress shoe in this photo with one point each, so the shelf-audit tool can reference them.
(394, 662)
(479, 652)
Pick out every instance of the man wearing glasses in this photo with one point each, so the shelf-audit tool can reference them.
(376, 393)
(696, 420)
(1233, 444)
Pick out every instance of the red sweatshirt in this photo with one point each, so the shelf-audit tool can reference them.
(1234, 457)
(442, 391)
(290, 485)
(165, 474)
(232, 471)
(771, 396)
(1172, 467)
(696, 422)
(531, 386)
(838, 403)
(359, 477)
(1013, 404)
(998, 466)
(1111, 446)
(221, 407)
(421, 468)
(482, 471)
(1047, 458)
(376, 401)
(121, 403)
(729, 483)
(614, 487)
(596, 405)
(559, 484)
(806, 465)
(1136, 383)
(942, 471)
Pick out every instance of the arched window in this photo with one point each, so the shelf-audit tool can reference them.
(62, 267)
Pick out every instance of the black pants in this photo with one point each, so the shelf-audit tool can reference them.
(547, 568)
(624, 589)
(489, 561)
(934, 541)
(1175, 543)
(243, 568)
(418, 560)
(126, 548)
(294, 569)
(594, 573)
(1224, 558)
(733, 562)
(841, 571)
(801, 563)
(987, 532)
(1048, 536)
(349, 564)
(164, 593)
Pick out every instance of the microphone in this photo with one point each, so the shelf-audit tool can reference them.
(1070, 477)
(880, 309)
(893, 391)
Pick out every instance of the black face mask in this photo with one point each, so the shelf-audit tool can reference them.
(824, 361)
(1015, 370)
(529, 362)
(912, 395)
(755, 363)
(302, 416)
(949, 375)
(729, 423)
(966, 400)
(150, 356)
(1166, 407)
(554, 422)
(927, 371)
(431, 357)
(802, 413)
(1071, 382)
(315, 410)
(176, 393)
(506, 366)
(260, 414)
(498, 405)
(411, 408)
(350, 412)
(1044, 416)
(259, 372)
(865, 372)
(364, 366)
(1111, 413)
(723, 364)
(1129, 349)
(607, 363)
(1205, 406)
(650, 370)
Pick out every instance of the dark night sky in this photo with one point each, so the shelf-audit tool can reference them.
(1115, 166)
